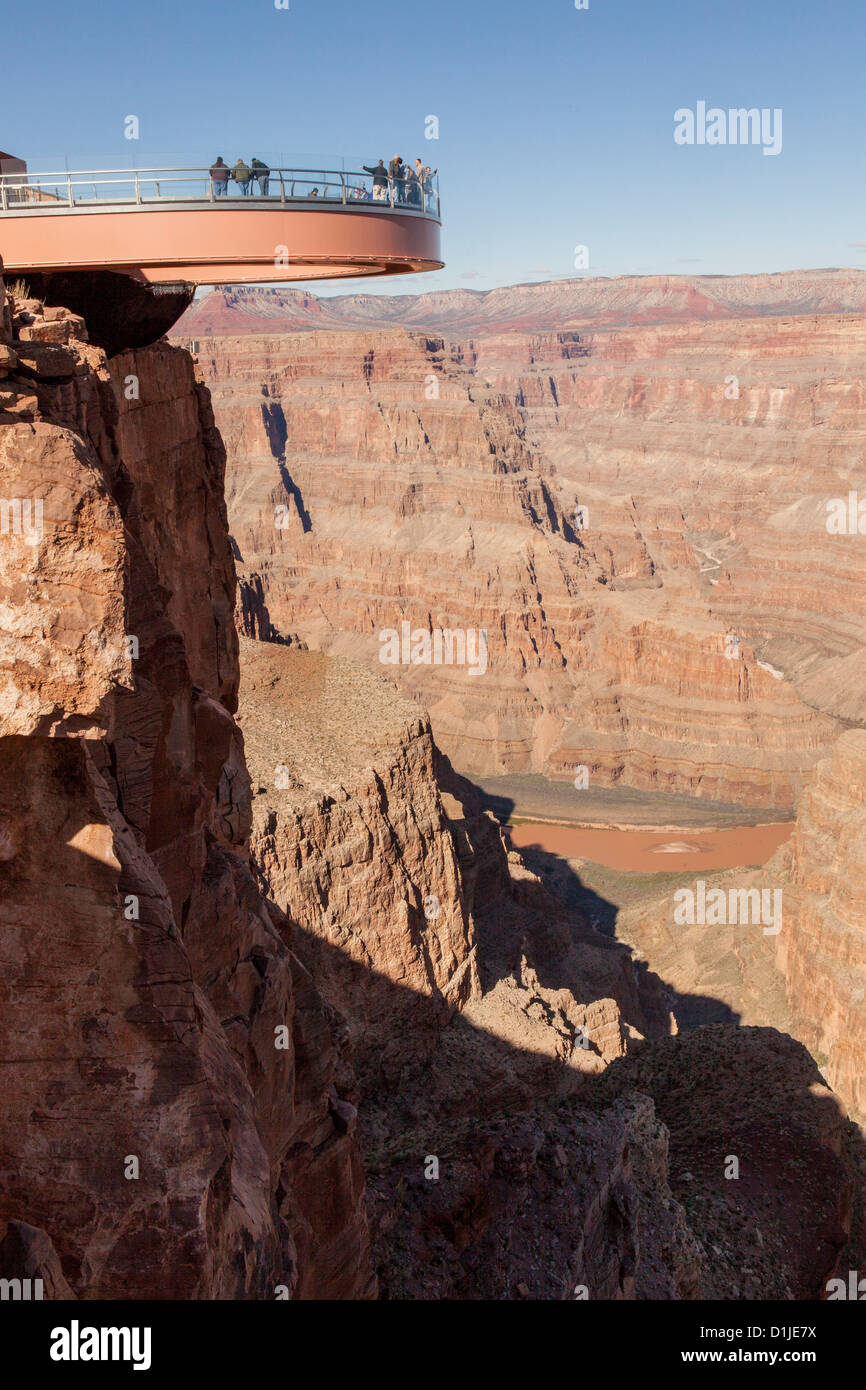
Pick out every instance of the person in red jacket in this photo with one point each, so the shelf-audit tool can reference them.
(219, 177)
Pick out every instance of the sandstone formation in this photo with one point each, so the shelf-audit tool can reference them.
(176, 1092)
(351, 841)
(822, 948)
(367, 839)
(636, 515)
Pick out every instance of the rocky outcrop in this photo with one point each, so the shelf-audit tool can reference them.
(822, 947)
(411, 907)
(757, 1157)
(351, 840)
(176, 1092)
(120, 312)
(622, 511)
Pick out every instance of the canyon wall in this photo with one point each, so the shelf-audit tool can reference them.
(820, 950)
(809, 978)
(180, 1116)
(636, 516)
(532, 1128)
(224, 999)
(176, 1092)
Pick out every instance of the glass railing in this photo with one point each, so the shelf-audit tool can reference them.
(89, 188)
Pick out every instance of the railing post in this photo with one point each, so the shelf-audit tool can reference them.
(343, 182)
(69, 190)
(137, 188)
(282, 188)
(391, 190)
(210, 191)
(3, 194)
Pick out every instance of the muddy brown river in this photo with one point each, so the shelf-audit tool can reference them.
(654, 851)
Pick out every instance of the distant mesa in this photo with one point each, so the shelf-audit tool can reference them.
(597, 303)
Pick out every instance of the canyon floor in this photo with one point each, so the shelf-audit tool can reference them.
(532, 797)
(658, 851)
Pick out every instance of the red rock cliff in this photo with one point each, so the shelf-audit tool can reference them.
(379, 476)
(821, 945)
(176, 1093)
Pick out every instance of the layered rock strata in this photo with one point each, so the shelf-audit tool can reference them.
(822, 947)
(532, 308)
(622, 510)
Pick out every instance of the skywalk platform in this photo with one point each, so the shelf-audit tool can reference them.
(177, 225)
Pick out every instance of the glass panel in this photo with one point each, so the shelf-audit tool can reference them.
(192, 184)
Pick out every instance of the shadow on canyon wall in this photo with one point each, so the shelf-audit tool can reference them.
(790, 1222)
(691, 1009)
(496, 1115)
(577, 897)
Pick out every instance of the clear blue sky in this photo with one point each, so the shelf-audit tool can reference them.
(555, 125)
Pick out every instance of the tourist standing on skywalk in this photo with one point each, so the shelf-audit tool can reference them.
(219, 176)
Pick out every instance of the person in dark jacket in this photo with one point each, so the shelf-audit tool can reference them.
(380, 181)
(261, 174)
(413, 188)
(397, 175)
(241, 176)
(219, 177)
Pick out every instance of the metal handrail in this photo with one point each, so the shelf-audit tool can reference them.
(46, 190)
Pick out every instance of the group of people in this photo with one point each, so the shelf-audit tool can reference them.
(246, 176)
(413, 186)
